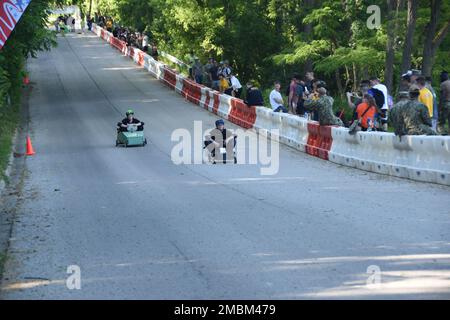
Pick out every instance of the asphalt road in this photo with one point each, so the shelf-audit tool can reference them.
(140, 227)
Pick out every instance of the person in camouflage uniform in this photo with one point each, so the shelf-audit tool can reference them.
(394, 114)
(324, 106)
(413, 118)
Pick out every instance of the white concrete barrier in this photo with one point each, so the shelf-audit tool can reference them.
(293, 130)
(421, 158)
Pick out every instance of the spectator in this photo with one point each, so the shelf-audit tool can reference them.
(293, 96)
(414, 75)
(435, 117)
(405, 81)
(56, 24)
(309, 78)
(300, 110)
(394, 117)
(214, 75)
(208, 66)
(154, 52)
(254, 96)
(89, 23)
(376, 84)
(236, 86)
(444, 103)
(145, 43)
(324, 107)
(226, 70)
(412, 118)
(355, 99)
(197, 70)
(276, 100)
(68, 23)
(223, 84)
(191, 60)
(366, 111)
(426, 97)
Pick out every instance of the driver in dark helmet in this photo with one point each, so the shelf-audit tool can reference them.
(130, 119)
(220, 138)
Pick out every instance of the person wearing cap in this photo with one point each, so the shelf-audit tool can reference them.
(444, 103)
(413, 117)
(324, 107)
(130, 119)
(394, 115)
(405, 81)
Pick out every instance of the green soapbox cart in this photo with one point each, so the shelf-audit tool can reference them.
(131, 137)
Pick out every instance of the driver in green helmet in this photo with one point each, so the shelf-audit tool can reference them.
(130, 119)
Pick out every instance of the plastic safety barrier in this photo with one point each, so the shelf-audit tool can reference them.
(170, 78)
(192, 91)
(241, 114)
(320, 140)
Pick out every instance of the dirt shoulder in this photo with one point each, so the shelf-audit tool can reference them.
(14, 174)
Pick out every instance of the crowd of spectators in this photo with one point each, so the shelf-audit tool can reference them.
(65, 23)
(308, 96)
(132, 38)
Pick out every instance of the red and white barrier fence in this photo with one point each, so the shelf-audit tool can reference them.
(418, 158)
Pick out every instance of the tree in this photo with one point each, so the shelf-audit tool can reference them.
(409, 38)
(390, 50)
(433, 37)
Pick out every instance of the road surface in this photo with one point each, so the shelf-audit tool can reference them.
(140, 227)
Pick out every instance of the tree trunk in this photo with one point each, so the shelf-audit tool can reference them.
(337, 76)
(433, 39)
(90, 8)
(390, 51)
(307, 30)
(411, 26)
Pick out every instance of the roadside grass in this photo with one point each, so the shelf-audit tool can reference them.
(9, 119)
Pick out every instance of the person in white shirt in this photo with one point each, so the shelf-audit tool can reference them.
(236, 86)
(375, 83)
(276, 100)
(145, 43)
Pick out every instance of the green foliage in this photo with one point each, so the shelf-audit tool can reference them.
(269, 40)
(28, 38)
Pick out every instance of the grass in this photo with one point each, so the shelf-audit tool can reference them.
(9, 119)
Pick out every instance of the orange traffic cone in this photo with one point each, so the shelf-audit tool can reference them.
(30, 150)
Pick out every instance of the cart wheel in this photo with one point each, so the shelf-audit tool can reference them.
(145, 142)
(117, 143)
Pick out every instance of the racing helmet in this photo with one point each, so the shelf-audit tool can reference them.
(220, 122)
